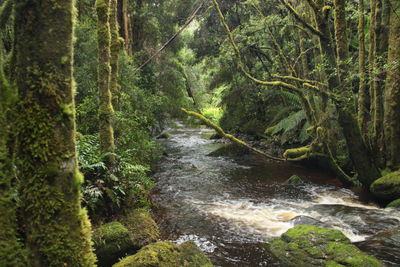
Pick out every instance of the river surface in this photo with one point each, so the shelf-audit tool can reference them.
(231, 205)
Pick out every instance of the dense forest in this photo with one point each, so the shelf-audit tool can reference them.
(104, 106)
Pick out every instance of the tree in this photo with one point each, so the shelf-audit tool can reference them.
(57, 229)
(392, 100)
(106, 111)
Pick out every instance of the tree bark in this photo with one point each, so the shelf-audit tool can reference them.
(106, 111)
(57, 228)
(362, 89)
(392, 100)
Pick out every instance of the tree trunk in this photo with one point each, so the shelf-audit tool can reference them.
(116, 45)
(362, 90)
(392, 100)
(359, 153)
(57, 228)
(106, 111)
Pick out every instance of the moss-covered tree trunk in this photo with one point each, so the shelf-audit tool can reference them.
(359, 153)
(106, 111)
(10, 248)
(56, 227)
(362, 89)
(392, 99)
(116, 45)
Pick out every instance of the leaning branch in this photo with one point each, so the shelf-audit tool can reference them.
(301, 20)
(183, 27)
(229, 136)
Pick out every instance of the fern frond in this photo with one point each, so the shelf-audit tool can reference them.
(292, 121)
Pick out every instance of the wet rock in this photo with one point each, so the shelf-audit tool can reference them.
(387, 187)
(111, 241)
(166, 254)
(306, 245)
(385, 246)
(229, 150)
(215, 136)
(394, 204)
(306, 220)
(163, 135)
(361, 220)
(294, 180)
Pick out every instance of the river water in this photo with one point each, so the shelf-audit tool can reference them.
(231, 205)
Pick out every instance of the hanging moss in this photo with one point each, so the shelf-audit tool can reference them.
(57, 228)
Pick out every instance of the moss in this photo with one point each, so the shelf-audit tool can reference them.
(306, 245)
(166, 254)
(56, 227)
(143, 230)
(394, 204)
(296, 152)
(387, 187)
(111, 241)
(294, 180)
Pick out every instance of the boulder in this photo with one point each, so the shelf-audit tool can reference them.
(111, 241)
(166, 254)
(142, 229)
(294, 180)
(387, 187)
(306, 220)
(307, 245)
(385, 246)
(115, 240)
(163, 135)
(394, 204)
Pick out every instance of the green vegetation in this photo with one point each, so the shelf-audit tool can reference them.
(165, 254)
(306, 245)
(87, 86)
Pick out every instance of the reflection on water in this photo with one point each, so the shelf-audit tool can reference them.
(229, 205)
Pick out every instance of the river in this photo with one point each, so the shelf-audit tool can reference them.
(230, 205)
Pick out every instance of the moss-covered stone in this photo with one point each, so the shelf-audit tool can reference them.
(294, 180)
(306, 245)
(387, 187)
(112, 241)
(143, 230)
(394, 204)
(166, 254)
(163, 135)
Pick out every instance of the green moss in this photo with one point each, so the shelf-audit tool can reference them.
(142, 228)
(306, 245)
(294, 180)
(166, 254)
(111, 241)
(387, 187)
(394, 204)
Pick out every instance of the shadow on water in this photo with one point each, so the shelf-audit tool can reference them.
(231, 205)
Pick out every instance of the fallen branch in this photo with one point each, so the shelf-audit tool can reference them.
(229, 136)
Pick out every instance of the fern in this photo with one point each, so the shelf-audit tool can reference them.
(293, 121)
(293, 99)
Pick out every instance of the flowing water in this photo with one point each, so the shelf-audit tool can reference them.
(231, 205)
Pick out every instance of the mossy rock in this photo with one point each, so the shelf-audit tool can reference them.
(166, 254)
(294, 180)
(394, 204)
(230, 150)
(111, 242)
(142, 229)
(164, 135)
(387, 187)
(306, 245)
